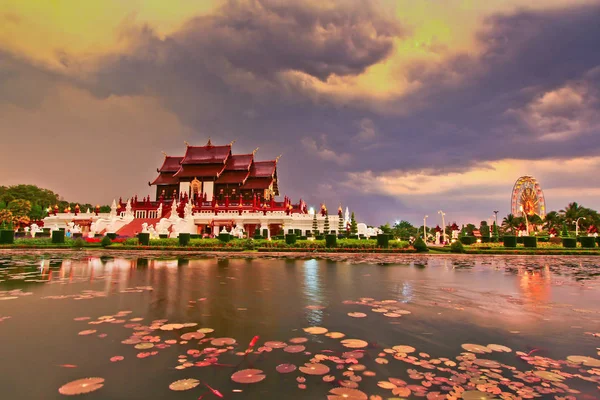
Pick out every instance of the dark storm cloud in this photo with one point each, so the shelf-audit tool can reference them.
(227, 75)
(455, 125)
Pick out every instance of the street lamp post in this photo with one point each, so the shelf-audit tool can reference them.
(577, 226)
(425, 228)
(443, 225)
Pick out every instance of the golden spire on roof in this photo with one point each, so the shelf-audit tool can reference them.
(232, 142)
(164, 154)
(255, 150)
(186, 143)
(278, 157)
(209, 143)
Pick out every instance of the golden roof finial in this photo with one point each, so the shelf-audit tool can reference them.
(209, 143)
(255, 150)
(232, 142)
(186, 143)
(164, 154)
(278, 157)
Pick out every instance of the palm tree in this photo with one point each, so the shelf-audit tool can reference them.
(571, 212)
(552, 220)
(535, 220)
(510, 223)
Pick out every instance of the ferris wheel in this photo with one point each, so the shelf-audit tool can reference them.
(527, 195)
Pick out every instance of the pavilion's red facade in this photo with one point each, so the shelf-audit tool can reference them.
(217, 172)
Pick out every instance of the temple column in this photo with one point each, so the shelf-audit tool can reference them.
(265, 225)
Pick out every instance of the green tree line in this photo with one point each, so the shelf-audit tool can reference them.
(20, 204)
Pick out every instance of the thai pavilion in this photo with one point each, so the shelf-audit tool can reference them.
(204, 172)
(206, 191)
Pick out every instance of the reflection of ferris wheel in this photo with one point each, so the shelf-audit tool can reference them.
(527, 195)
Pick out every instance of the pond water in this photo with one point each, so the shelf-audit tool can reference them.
(421, 327)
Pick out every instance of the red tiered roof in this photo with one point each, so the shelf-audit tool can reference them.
(208, 154)
(171, 164)
(239, 162)
(263, 169)
(231, 177)
(165, 179)
(200, 171)
(257, 183)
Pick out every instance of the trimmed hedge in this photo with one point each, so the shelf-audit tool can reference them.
(468, 240)
(383, 241)
(163, 236)
(225, 237)
(184, 239)
(457, 247)
(569, 242)
(319, 237)
(588, 242)
(112, 236)
(144, 238)
(330, 241)
(530, 241)
(290, 238)
(7, 236)
(58, 237)
(265, 233)
(510, 241)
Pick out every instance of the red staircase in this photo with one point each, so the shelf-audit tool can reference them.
(135, 226)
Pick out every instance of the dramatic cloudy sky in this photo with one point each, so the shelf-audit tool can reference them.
(396, 108)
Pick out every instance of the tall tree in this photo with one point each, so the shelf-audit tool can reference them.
(353, 225)
(571, 212)
(552, 220)
(510, 223)
(326, 225)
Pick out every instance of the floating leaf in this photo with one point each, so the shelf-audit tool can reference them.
(315, 369)
(294, 349)
(248, 376)
(342, 393)
(184, 384)
(354, 343)
(476, 348)
(192, 336)
(587, 361)
(80, 386)
(357, 315)
(222, 341)
(315, 330)
(285, 368)
(499, 348)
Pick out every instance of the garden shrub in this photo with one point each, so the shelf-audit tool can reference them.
(420, 245)
(383, 241)
(320, 237)
(163, 236)
(248, 244)
(58, 237)
(457, 247)
(330, 241)
(588, 242)
(569, 242)
(225, 237)
(467, 240)
(105, 242)
(290, 239)
(134, 242)
(7, 236)
(510, 241)
(265, 233)
(184, 239)
(530, 241)
(112, 235)
(78, 243)
(144, 238)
